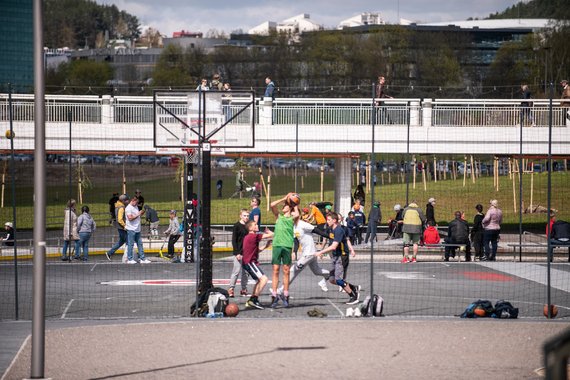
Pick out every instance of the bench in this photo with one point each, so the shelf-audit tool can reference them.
(441, 246)
(540, 246)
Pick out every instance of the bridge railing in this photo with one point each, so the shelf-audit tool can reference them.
(326, 111)
(492, 113)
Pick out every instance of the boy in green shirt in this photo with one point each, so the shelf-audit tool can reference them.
(282, 248)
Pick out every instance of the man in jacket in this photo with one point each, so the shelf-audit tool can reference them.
(458, 233)
(413, 220)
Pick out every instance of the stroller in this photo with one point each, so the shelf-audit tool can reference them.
(395, 225)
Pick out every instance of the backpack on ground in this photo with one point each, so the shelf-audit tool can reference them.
(505, 310)
(372, 306)
(485, 309)
(201, 307)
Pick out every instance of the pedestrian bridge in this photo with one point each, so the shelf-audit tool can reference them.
(336, 126)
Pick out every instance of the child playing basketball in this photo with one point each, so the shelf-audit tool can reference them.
(282, 248)
(250, 261)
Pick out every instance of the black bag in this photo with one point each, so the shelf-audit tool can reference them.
(202, 309)
(505, 310)
(372, 306)
(485, 305)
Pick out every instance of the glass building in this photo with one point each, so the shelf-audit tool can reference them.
(16, 45)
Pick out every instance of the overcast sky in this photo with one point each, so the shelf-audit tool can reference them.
(229, 15)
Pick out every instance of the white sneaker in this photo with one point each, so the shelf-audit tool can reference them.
(145, 261)
(323, 285)
(349, 312)
(131, 262)
(357, 312)
(340, 289)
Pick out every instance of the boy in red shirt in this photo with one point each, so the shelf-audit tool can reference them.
(250, 261)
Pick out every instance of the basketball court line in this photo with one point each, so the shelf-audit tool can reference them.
(67, 308)
(537, 273)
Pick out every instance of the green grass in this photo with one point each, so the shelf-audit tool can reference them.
(451, 195)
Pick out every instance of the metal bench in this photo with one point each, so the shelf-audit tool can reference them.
(442, 246)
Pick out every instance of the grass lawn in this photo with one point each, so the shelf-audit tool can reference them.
(163, 194)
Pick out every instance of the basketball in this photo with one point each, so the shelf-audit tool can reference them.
(480, 312)
(9, 134)
(232, 309)
(553, 311)
(293, 199)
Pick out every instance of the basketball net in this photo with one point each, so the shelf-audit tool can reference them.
(191, 155)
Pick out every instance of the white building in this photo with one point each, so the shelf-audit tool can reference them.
(294, 25)
(366, 18)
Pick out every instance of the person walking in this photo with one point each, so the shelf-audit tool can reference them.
(70, 231)
(173, 233)
(239, 231)
(120, 224)
(269, 89)
(492, 228)
(526, 105)
(133, 227)
(85, 227)
(430, 211)
(374, 217)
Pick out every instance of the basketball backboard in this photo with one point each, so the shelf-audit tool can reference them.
(221, 119)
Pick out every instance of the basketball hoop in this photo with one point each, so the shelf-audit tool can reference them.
(191, 155)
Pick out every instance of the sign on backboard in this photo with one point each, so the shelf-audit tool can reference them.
(183, 119)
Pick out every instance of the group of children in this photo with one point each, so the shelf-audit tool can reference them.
(290, 226)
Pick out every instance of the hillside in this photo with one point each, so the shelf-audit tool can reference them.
(553, 9)
(80, 23)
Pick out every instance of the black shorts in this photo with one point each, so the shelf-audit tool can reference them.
(253, 270)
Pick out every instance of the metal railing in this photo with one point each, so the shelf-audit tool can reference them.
(323, 111)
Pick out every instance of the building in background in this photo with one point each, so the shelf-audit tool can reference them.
(365, 18)
(293, 26)
(16, 45)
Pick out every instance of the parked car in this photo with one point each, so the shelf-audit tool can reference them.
(114, 160)
(226, 163)
(150, 160)
(316, 165)
(78, 159)
(132, 160)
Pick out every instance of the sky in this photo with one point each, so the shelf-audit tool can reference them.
(230, 15)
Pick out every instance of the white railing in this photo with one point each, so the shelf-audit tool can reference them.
(313, 111)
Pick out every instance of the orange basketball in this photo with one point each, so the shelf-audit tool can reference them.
(480, 312)
(553, 311)
(232, 309)
(293, 199)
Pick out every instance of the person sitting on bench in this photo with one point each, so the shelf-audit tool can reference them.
(560, 234)
(458, 233)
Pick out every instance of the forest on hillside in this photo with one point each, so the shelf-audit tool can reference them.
(83, 23)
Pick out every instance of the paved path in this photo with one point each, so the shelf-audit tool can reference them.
(380, 348)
